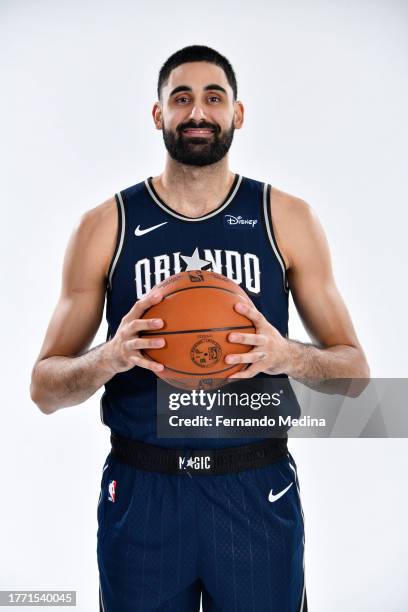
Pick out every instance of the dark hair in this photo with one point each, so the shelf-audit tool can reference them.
(197, 53)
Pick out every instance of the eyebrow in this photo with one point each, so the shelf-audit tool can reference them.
(212, 86)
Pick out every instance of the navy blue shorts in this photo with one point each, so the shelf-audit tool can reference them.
(167, 540)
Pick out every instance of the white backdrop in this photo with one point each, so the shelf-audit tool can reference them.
(325, 89)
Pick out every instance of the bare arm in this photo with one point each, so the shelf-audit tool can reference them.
(335, 351)
(66, 373)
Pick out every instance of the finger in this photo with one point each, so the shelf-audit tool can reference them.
(148, 364)
(252, 339)
(138, 325)
(144, 343)
(139, 307)
(250, 312)
(251, 357)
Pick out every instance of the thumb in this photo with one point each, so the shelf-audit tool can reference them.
(139, 307)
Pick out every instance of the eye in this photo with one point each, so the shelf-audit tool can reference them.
(181, 99)
(214, 98)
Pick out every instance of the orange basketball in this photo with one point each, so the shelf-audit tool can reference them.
(198, 314)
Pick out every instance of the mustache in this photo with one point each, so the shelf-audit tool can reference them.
(190, 124)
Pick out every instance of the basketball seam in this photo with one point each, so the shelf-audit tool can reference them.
(194, 331)
(204, 287)
(202, 374)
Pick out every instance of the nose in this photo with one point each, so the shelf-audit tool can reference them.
(197, 113)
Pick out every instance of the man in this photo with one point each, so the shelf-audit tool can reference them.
(234, 534)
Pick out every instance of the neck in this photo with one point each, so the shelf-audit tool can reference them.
(191, 190)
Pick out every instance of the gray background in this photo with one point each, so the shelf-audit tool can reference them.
(325, 90)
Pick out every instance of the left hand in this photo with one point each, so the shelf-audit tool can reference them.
(270, 352)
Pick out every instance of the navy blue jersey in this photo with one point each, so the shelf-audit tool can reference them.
(154, 242)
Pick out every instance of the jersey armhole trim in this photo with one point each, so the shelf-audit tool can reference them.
(119, 237)
(269, 230)
(101, 407)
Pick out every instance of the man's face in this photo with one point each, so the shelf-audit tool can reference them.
(197, 114)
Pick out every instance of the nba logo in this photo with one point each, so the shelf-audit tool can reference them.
(196, 277)
(112, 491)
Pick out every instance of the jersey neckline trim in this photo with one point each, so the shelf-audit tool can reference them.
(227, 200)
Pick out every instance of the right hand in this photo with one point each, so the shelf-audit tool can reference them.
(123, 351)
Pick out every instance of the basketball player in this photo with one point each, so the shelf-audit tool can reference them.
(232, 533)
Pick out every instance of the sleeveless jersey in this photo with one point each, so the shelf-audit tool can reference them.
(154, 242)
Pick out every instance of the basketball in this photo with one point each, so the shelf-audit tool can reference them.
(198, 314)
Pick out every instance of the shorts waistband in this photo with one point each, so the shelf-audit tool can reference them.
(197, 461)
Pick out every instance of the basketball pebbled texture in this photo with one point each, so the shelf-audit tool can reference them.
(198, 314)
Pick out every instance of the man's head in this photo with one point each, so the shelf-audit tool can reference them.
(197, 109)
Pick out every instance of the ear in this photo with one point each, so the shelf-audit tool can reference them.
(238, 114)
(157, 115)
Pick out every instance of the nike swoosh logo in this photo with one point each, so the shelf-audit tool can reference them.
(273, 498)
(142, 232)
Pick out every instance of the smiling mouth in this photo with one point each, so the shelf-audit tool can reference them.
(198, 131)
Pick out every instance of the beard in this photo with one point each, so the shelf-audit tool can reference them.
(198, 151)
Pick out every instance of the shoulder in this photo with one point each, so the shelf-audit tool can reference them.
(97, 218)
(294, 222)
(287, 206)
(94, 236)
